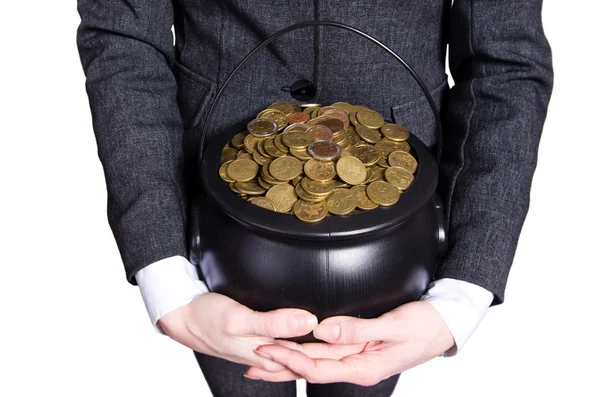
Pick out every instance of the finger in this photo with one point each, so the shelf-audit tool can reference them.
(353, 369)
(268, 365)
(280, 376)
(323, 350)
(352, 330)
(280, 323)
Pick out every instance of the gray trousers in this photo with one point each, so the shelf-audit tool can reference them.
(225, 379)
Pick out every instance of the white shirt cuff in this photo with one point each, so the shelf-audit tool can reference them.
(461, 304)
(168, 284)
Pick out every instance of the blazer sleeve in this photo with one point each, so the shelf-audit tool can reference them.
(501, 64)
(127, 53)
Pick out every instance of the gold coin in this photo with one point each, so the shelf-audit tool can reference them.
(344, 106)
(362, 200)
(272, 149)
(310, 212)
(310, 105)
(264, 170)
(402, 146)
(349, 151)
(269, 179)
(263, 183)
(399, 177)
(383, 162)
(342, 201)
(296, 139)
(277, 116)
(233, 189)
(351, 133)
(387, 147)
(395, 132)
(283, 197)
(317, 188)
(403, 160)
(296, 127)
(304, 195)
(223, 172)
(351, 170)
(339, 136)
(244, 155)
(260, 148)
(259, 158)
(324, 109)
(319, 170)
(368, 154)
(228, 154)
(242, 170)
(370, 118)
(262, 202)
(345, 144)
(372, 175)
(301, 154)
(340, 184)
(250, 143)
(368, 134)
(297, 180)
(352, 118)
(251, 187)
(279, 144)
(358, 108)
(238, 140)
(285, 168)
(383, 193)
(286, 108)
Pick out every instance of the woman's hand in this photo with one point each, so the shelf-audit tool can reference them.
(217, 325)
(361, 351)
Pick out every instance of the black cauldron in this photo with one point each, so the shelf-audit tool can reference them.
(360, 265)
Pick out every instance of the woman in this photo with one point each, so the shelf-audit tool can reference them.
(149, 96)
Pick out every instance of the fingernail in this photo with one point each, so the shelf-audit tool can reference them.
(263, 354)
(252, 377)
(329, 332)
(303, 321)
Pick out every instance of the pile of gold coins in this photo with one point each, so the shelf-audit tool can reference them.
(313, 161)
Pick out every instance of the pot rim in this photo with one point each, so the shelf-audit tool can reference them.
(332, 227)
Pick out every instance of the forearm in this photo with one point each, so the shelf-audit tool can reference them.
(127, 53)
(501, 63)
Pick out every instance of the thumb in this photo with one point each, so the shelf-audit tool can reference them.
(351, 330)
(281, 323)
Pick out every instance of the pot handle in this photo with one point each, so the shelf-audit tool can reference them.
(438, 122)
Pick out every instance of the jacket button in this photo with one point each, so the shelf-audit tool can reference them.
(303, 90)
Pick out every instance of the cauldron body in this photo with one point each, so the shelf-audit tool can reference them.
(360, 265)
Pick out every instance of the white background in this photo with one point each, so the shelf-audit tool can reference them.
(72, 326)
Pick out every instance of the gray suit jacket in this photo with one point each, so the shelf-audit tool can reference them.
(149, 97)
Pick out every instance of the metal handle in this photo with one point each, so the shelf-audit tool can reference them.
(438, 122)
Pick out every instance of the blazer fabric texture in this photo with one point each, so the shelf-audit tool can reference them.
(150, 88)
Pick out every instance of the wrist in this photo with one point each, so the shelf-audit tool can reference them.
(168, 285)
(461, 305)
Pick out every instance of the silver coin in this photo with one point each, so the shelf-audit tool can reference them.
(262, 127)
(324, 150)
